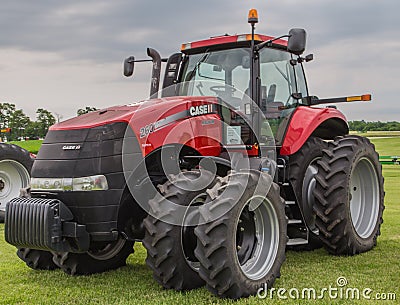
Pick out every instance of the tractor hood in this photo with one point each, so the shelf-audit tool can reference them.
(139, 113)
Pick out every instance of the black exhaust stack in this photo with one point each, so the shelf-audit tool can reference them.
(155, 77)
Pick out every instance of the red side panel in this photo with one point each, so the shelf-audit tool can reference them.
(207, 134)
(200, 132)
(304, 121)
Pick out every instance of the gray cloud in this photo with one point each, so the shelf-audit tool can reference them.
(354, 43)
(104, 27)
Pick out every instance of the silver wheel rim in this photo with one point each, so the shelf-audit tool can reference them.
(108, 251)
(309, 183)
(364, 197)
(308, 187)
(264, 252)
(13, 177)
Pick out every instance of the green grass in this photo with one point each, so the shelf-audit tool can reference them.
(387, 146)
(31, 145)
(378, 270)
(372, 134)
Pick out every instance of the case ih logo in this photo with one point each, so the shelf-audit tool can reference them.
(71, 147)
(200, 110)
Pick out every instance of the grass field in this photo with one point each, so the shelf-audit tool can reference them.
(373, 134)
(378, 269)
(31, 146)
(387, 146)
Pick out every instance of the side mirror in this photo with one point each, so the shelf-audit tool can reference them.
(297, 41)
(129, 65)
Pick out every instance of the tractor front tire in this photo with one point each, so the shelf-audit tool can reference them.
(105, 257)
(349, 196)
(170, 247)
(242, 251)
(37, 259)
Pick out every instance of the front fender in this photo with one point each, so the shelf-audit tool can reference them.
(325, 123)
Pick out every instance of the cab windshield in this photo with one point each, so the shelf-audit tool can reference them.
(217, 73)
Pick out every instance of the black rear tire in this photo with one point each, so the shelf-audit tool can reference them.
(349, 196)
(242, 250)
(15, 168)
(170, 248)
(37, 259)
(108, 256)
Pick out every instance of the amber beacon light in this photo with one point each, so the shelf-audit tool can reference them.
(253, 16)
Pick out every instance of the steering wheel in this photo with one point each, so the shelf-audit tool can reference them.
(220, 89)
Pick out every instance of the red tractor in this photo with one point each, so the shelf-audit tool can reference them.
(217, 175)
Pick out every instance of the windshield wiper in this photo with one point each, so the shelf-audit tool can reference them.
(282, 73)
(196, 67)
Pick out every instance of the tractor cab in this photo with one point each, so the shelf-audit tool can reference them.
(222, 67)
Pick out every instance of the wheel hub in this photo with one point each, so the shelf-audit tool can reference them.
(245, 236)
(258, 255)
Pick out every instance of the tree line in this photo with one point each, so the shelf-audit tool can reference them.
(364, 126)
(15, 124)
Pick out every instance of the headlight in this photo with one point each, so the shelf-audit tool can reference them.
(91, 183)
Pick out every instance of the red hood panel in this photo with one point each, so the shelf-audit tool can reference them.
(124, 113)
(93, 119)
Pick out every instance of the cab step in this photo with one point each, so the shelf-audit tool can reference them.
(297, 241)
(294, 221)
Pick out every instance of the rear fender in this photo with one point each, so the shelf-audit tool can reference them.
(326, 123)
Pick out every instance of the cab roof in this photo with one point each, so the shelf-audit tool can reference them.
(227, 41)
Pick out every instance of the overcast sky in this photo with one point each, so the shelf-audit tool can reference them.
(63, 55)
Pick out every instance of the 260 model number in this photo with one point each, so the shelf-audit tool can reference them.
(146, 130)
